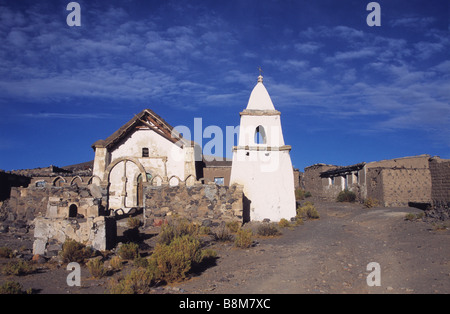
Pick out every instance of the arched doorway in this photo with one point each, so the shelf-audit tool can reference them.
(73, 211)
(140, 189)
(121, 176)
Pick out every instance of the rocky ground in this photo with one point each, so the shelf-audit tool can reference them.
(327, 255)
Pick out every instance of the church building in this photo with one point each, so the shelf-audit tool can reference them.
(145, 149)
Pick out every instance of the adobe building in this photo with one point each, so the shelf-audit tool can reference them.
(261, 161)
(216, 170)
(394, 182)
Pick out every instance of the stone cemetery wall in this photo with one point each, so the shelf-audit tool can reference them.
(207, 204)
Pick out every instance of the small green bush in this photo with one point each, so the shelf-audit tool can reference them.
(12, 287)
(243, 239)
(208, 254)
(301, 194)
(96, 268)
(133, 222)
(73, 251)
(116, 263)
(412, 216)
(233, 226)
(371, 202)
(138, 281)
(128, 251)
(268, 230)
(284, 223)
(346, 196)
(6, 252)
(223, 235)
(177, 228)
(176, 259)
(308, 210)
(140, 262)
(18, 268)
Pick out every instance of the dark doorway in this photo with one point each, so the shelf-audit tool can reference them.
(140, 190)
(73, 211)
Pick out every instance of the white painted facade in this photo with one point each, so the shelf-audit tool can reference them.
(263, 164)
(141, 154)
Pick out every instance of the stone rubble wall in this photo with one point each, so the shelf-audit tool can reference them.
(99, 233)
(440, 192)
(207, 204)
(28, 203)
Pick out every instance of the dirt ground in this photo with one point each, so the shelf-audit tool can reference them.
(329, 255)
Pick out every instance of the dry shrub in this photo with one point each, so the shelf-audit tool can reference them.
(243, 239)
(346, 196)
(223, 234)
(116, 263)
(18, 268)
(371, 202)
(301, 194)
(12, 287)
(175, 229)
(233, 226)
(308, 210)
(176, 259)
(73, 251)
(128, 251)
(284, 223)
(133, 222)
(6, 252)
(138, 281)
(96, 268)
(268, 230)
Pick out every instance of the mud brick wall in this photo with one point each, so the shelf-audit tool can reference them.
(440, 182)
(207, 204)
(374, 184)
(313, 183)
(401, 186)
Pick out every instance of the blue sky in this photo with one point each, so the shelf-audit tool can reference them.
(347, 92)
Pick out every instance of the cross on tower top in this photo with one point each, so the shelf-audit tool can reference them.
(260, 77)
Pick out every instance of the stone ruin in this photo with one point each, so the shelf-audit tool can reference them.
(75, 213)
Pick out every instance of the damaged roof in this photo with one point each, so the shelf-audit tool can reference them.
(149, 119)
(342, 170)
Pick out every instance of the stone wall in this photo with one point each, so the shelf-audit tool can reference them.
(28, 203)
(50, 233)
(440, 182)
(205, 203)
(312, 182)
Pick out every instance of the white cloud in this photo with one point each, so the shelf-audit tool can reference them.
(308, 47)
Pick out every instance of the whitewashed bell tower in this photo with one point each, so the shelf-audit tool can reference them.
(261, 161)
